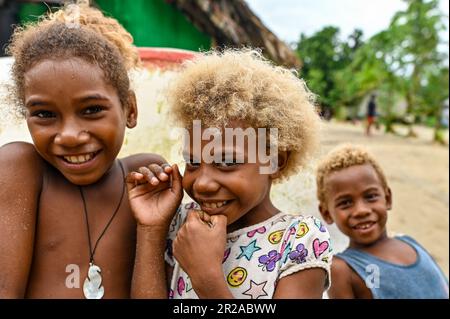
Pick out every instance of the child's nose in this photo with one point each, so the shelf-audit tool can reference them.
(204, 181)
(361, 209)
(71, 136)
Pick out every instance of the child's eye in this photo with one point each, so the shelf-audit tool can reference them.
(372, 197)
(92, 110)
(43, 114)
(225, 164)
(344, 204)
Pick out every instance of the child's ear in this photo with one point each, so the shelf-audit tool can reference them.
(388, 199)
(325, 213)
(283, 158)
(131, 109)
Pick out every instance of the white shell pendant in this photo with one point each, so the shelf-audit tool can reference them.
(92, 287)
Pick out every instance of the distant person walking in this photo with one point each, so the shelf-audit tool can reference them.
(371, 113)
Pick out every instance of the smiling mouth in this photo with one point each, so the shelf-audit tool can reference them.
(364, 226)
(79, 159)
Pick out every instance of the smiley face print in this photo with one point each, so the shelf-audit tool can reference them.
(237, 276)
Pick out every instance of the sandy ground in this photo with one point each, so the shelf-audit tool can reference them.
(418, 174)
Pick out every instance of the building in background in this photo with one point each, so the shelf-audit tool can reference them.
(191, 25)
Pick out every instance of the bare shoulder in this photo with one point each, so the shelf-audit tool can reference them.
(341, 280)
(21, 175)
(21, 169)
(20, 159)
(135, 161)
(308, 283)
(340, 267)
(21, 178)
(19, 150)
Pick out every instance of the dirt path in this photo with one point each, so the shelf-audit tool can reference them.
(418, 174)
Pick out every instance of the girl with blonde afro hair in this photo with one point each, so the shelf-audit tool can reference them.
(231, 241)
(220, 87)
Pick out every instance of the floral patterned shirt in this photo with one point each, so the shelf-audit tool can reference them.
(256, 257)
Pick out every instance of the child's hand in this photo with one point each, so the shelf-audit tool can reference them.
(154, 196)
(200, 245)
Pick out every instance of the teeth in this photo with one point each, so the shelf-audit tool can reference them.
(79, 159)
(215, 205)
(364, 226)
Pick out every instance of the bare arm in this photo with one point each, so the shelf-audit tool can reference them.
(305, 284)
(149, 264)
(155, 193)
(20, 183)
(150, 245)
(341, 284)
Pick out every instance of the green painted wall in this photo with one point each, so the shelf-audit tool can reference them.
(30, 12)
(153, 23)
(156, 23)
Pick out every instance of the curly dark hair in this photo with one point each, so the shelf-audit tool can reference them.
(87, 34)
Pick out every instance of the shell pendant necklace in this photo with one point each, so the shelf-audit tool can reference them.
(92, 287)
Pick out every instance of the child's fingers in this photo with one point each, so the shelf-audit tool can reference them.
(167, 168)
(158, 172)
(194, 216)
(149, 176)
(219, 221)
(133, 179)
(199, 216)
(206, 218)
(176, 180)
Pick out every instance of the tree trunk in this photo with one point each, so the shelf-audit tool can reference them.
(410, 112)
(438, 135)
(389, 118)
(389, 127)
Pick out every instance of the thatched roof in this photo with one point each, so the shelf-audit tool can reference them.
(232, 23)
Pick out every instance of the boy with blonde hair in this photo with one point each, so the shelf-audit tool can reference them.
(353, 193)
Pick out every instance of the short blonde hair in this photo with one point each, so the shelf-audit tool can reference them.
(344, 156)
(220, 87)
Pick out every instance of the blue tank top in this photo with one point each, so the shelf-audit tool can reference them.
(421, 280)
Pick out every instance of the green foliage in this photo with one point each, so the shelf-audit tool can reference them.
(416, 31)
(401, 63)
(323, 55)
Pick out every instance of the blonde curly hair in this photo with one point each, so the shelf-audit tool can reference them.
(241, 85)
(76, 30)
(341, 157)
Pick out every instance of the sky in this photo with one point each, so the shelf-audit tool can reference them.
(288, 18)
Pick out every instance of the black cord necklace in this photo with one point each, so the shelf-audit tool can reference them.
(92, 287)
